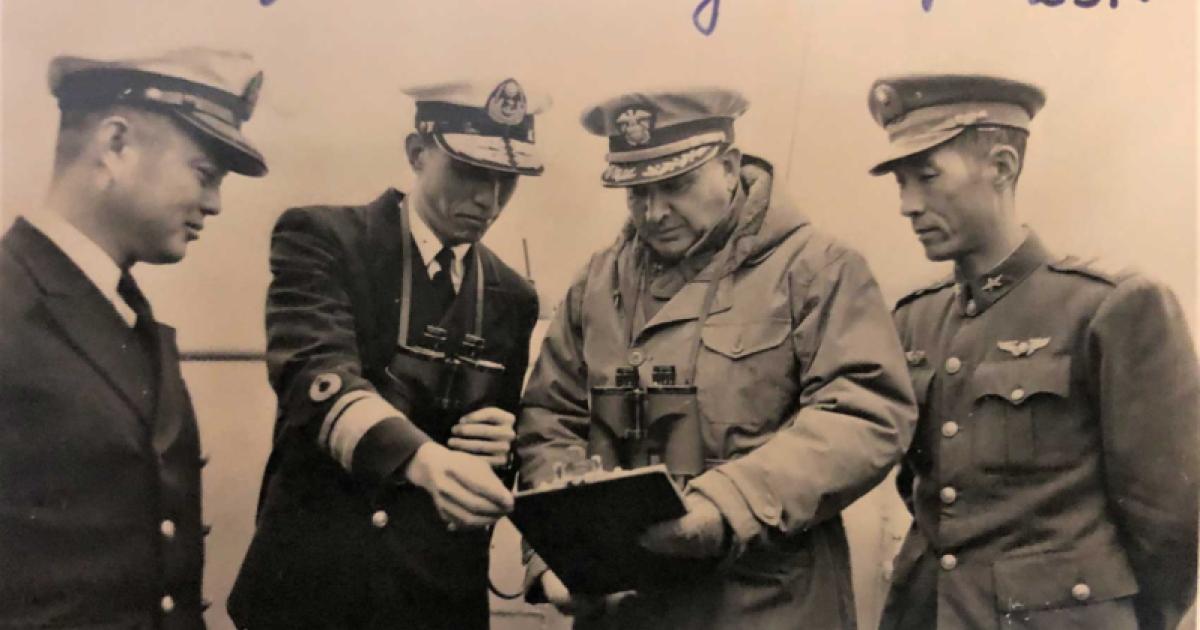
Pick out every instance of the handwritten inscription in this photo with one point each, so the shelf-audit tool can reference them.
(711, 25)
(927, 5)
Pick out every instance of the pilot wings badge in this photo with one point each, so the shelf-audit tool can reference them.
(1023, 348)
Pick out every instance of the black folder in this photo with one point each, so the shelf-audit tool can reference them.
(587, 529)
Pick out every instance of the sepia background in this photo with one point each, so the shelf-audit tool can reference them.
(1111, 169)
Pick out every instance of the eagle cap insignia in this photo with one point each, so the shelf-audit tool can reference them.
(635, 125)
(506, 105)
(1022, 347)
(915, 357)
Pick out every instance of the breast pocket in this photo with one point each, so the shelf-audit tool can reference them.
(1022, 417)
(746, 371)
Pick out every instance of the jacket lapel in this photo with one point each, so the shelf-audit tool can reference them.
(84, 316)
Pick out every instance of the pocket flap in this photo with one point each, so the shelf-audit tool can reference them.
(1061, 579)
(1018, 380)
(742, 339)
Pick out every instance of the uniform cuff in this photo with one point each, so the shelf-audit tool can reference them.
(720, 489)
(386, 439)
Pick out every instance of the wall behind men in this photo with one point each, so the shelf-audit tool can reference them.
(1111, 167)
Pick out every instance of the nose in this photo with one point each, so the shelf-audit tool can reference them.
(210, 202)
(657, 207)
(911, 202)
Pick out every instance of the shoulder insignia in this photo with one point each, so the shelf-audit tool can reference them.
(1094, 268)
(324, 386)
(933, 288)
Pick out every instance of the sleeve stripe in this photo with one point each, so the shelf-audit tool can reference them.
(335, 412)
(358, 418)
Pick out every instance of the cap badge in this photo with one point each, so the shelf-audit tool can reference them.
(250, 94)
(915, 357)
(635, 125)
(506, 104)
(887, 103)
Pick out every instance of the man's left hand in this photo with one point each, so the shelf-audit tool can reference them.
(698, 534)
(486, 432)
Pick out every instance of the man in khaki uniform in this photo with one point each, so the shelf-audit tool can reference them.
(1054, 473)
(803, 399)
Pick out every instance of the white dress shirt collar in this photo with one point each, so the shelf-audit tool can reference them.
(428, 244)
(96, 265)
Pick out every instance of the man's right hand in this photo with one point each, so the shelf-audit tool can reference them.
(464, 489)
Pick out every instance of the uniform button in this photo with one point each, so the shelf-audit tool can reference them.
(737, 344)
(167, 527)
(949, 495)
(204, 460)
(972, 308)
(948, 562)
(205, 605)
(379, 519)
(950, 429)
(1081, 592)
(636, 358)
(1017, 395)
(167, 604)
(206, 529)
(953, 365)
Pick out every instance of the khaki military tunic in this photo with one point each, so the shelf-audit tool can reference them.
(1054, 473)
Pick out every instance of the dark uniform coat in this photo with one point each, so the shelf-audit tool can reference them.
(804, 400)
(99, 485)
(346, 549)
(1054, 473)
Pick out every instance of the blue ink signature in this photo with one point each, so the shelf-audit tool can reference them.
(1086, 4)
(707, 29)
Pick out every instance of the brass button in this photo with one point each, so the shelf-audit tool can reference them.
(949, 429)
(204, 460)
(737, 345)
(379, 519)
(1017, 395)
(205, 604)
(636, 357)
(953, 365)
(972, 308)
(948, 562)
(1081, 592)
(949, 495)
(206, 529)
(167, 528)
(167, 603)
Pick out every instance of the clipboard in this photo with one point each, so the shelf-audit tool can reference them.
(586, 529)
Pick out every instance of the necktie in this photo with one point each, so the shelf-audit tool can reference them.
(443, 286)
(128, 289)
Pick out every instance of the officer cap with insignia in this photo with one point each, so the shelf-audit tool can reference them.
(658, 135)
(920, 112)
(209, 92)
(485, 123)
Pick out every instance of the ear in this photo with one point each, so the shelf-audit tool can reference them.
(731, 162)
(110, 147)
(414, 148)
(1005, 165)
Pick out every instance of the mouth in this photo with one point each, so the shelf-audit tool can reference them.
(473, 221)
(193, 230)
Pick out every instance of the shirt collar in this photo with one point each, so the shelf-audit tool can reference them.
(428, 244)
(95, 264)
(975, 295)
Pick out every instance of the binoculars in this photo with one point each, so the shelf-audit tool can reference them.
(452, 384)
(634, 426)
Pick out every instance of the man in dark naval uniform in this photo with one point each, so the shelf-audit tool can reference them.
(100, 520)
(1054, 473)
(384, 476)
